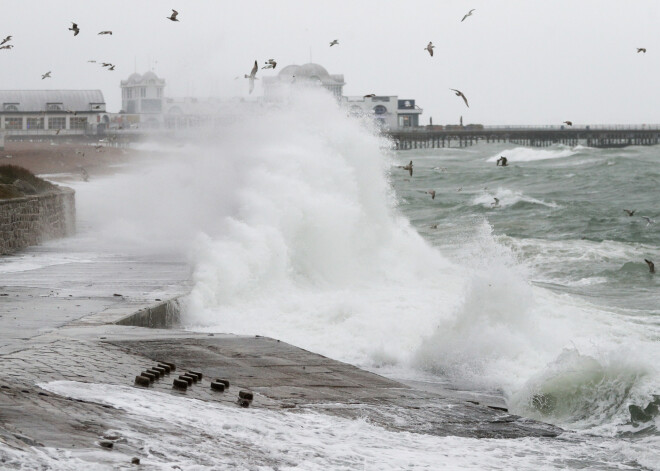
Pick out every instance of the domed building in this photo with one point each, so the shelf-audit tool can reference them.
(309, 74)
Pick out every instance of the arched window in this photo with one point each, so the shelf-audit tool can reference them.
(11, 108)
(380, 109)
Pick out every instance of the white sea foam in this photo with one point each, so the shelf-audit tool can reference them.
(507, 198)
(528, 154)
(169, 434)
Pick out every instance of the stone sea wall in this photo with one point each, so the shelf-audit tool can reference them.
(31, 220)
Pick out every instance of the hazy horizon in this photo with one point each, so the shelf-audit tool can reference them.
(518, 62)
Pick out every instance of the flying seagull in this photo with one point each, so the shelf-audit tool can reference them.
(639, 49)
(6, 46)
(105, 64)
(8, 38)
(46, 75)
(629, 212)
(270, 64)
(429, 47)
(173, 17)
(75, 29)
(496, 203)
(468, 14)
(371, 95)
(648, 220)
(333, 42)
(651, 265)
(92, 61)
(252, 77)
(106, 32)
(432, 193)
(408, 167)
(568, 123)
(112, 67)
(460, 93)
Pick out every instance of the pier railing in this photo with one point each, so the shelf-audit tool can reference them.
(599, 135)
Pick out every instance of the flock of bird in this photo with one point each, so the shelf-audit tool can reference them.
(76, 30)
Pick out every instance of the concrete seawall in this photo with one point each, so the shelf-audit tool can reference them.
(34, 219)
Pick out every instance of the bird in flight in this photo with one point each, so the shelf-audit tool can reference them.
(6, 46)
(648, 220)
(460, 93)
(46, 75)
(253, 75)
(651, 265)
(496, 203)
(639, 49)
(568, 123)
(270, 64)
(106, 32)
(173, 17)
(432, 193)
(429, 47)
(408, 167)
(7, 39)
(333, 42)
(75, 29)
(105, 64)
(112, 67)
(371, 95)
(468, 14)
(630, 212)
(92, 61)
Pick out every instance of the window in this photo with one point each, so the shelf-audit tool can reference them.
(54, 107)
(143, 92)
(10, 106)
(35, 123)
(405, 121)
(159, 92)
(13, 123)
(56, 123)
(78, 123)
(380, 109)
(129, 93)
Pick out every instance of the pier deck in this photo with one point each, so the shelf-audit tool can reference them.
(591, 136)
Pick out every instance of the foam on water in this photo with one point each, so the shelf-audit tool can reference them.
(507, 198)
(304, 440)
(526, 154)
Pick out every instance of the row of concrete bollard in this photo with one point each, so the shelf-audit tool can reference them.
(152, 374)
(188, 379)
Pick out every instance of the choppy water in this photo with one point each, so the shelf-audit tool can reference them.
(302, 227)
(546, 298)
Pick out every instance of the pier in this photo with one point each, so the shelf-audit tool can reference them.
(603, 136)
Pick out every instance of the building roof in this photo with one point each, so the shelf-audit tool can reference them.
(136, 78)
(36, 100)
(311, 71)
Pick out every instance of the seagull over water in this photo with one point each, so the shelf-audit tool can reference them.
(651, 265)
(468, 14)
(333, 42)
(174, 15)
(648, 220)
(460, 93)
(432, 193)
(74, 28)
(408, 167)
(252, 77)
(630, 212)
(46, 75)
(429, 47)
(7, 39)
(496, 203)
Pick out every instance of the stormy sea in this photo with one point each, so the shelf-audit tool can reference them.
(525, 283)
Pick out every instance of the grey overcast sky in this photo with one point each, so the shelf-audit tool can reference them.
(517, 61)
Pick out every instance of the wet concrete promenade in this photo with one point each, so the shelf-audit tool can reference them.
(58, 323)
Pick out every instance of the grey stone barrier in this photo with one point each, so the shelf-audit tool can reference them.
(31, 220)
